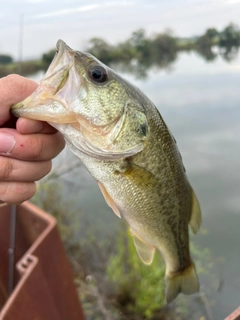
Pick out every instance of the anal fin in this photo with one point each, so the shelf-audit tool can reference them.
(109, 200)
(196, 217)
(144, 250)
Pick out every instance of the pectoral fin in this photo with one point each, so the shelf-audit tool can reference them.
(140, 177)
(109, 200)
(144, 250)
(196, 218)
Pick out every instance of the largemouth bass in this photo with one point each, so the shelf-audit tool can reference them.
(121, 138)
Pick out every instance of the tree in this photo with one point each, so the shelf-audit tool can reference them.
(5, 59)
(48, 57)
(100, 49)
(211, 33)
(230, 36)
(204, 46)
(164, 49)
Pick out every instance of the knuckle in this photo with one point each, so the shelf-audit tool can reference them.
(6, 169)
(37, 148)
(58, 143)
(23, 191)
(17, 192)
(4, 193)
(12, 80)
(48, 166)
(15, 80)
(44, 168)
(46, 146)
(61, 141)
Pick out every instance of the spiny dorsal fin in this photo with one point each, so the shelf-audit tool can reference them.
(196, 217)
(109, 200)
(144, 250)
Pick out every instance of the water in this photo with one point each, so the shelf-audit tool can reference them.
(200, 102)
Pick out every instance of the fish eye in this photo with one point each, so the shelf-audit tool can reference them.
(98, 73)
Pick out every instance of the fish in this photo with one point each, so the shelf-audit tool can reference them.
(123, 141)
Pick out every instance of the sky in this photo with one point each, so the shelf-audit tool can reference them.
(76, 21)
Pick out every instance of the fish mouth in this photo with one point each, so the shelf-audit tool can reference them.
(63, 56)
(58, 91)
(48, 102)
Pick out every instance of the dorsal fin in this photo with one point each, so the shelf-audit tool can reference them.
(196, 218)
(144, 250)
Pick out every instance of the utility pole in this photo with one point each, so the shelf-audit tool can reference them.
(11, 249)
(20, 42)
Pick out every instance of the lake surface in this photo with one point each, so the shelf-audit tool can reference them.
(200, 102)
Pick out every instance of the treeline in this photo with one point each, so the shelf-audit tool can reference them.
(24, 67)
(160, 48)
(227, 41)
(163, 47)
(140, 51)
(5, 59)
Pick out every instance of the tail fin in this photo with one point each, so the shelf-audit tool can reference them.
(185, 282)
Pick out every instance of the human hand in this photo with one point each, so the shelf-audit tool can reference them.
(26, 147)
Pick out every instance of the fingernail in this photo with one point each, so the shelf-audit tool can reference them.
(7, 142)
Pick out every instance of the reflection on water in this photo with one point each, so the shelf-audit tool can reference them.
(200, 102)
(140, 68)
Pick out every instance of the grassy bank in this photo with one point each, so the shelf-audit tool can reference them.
(24, 68)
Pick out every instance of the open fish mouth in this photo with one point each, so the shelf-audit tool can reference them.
(48, 101)
(64, 55)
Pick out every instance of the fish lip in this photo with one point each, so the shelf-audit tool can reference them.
(62, 62)
(60, 46)
(63, 57)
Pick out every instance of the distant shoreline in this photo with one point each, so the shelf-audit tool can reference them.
(139, 52)
(24, 68)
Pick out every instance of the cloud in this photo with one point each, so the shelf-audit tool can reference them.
(33, 1)
(232, 1)
(89, 7)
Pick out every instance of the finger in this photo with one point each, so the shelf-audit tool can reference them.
(17, 170)
(30, 147)
(16, 192)
(14, 88)
(27, 126)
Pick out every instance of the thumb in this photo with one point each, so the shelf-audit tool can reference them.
(13, 89)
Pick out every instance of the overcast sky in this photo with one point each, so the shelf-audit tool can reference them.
(45, 21)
